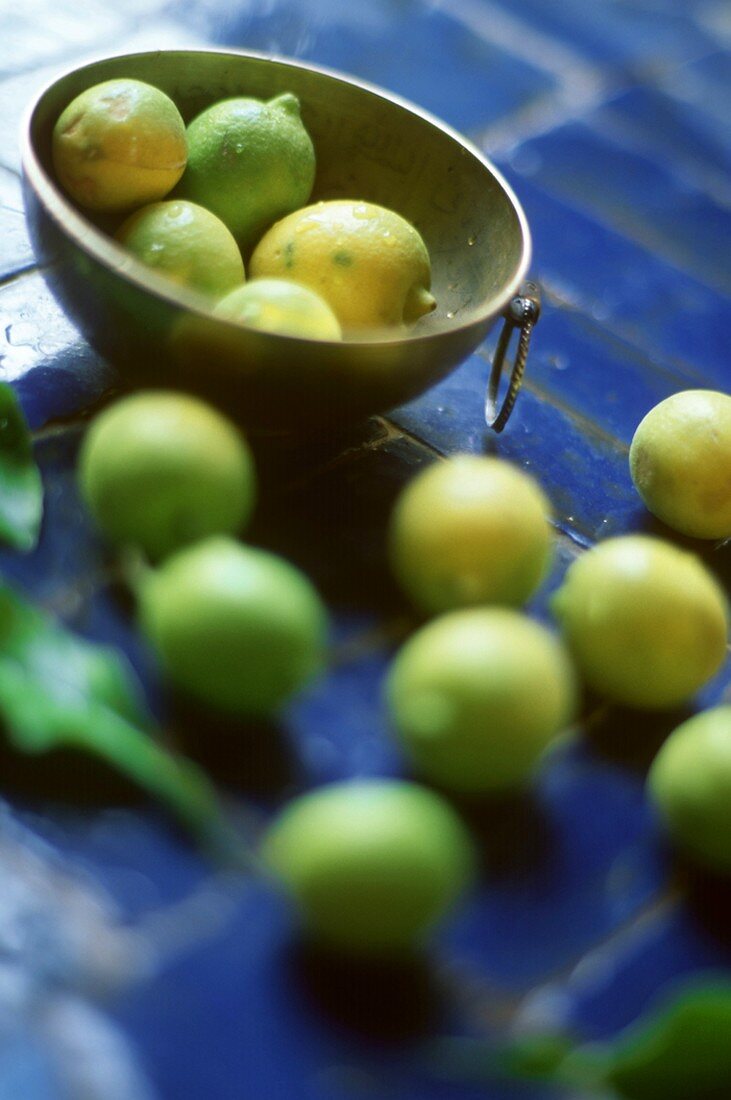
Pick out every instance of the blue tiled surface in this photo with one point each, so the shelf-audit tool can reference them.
(610, 120)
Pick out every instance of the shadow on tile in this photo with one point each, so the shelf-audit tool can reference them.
(384, 1000)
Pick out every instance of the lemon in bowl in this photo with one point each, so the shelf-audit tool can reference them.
(367, 262)
(185, 243)
(119, 144)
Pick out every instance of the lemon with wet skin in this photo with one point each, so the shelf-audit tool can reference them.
(470, 530)
(119, 145)
(477, 696)
(371, 865)
(680, 461)
(367, 262)
(185, 243)
(645, 621)
(237, 627)
(160, 470)
(276, 305)
(249, 162)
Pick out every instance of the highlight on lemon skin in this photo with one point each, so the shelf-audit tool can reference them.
(280, 306)
(119, 145)
(186, 244)
(249, 162)
(368, 263)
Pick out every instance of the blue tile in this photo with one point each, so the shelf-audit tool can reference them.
(591, 866)
(55, 373)
(672, 131)
(625, 35)
(657, 959)
(636, 197)
(673, 317)
(16, 254)
(478, 82)
(586, 367)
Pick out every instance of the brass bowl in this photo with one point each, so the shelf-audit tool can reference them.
(370, 145)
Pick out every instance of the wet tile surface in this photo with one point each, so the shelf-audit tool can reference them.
(613, 132)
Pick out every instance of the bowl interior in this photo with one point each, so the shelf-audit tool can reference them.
(369, 146)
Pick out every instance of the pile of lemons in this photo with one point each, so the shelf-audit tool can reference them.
(481, 690)
(241, 176)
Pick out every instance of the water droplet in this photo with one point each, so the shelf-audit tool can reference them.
(471, 240)
(450, 313)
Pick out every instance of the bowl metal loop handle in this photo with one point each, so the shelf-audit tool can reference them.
(522, 313)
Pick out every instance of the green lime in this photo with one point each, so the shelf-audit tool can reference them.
(118, 145)
(690, 785)
(160, 470)
(645, 621)
(276, 305)
(239, 628)
(367, 262)
(470, 530)
(680, 461)
(250, 163)
(478, 695)
(184, 243)
(371, 864)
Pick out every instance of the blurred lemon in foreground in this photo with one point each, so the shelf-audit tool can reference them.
(477, 696)
(249, 162)
(470, 530)
(185, 243)
(680, 460)
(118, 145)
(367, 262)
(237, 627)
(160, 470)
(372, 864)
(275, 305)
(646, 622)
(689, 782)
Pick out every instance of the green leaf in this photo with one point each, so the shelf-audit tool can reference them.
(679, 1051)
(21, 489)
(58, 690)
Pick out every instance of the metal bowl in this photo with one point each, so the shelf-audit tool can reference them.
(370, 145)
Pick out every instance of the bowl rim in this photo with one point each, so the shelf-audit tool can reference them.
(106, 251)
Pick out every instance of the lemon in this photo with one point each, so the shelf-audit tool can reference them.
(239, 628)
(367, 262)
(680, 461)
(276, 305)
(118, 145)
(185, 243)
(478, 695)
(160, 470)
(371, 864)
(690, 785)
(646, 622)
(470, 530)
(249, 162)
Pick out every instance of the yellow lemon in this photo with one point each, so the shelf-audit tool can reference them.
(680, 461)
(249, 162)
(367, 262)
(275, 305)
(470, 530)
(185, 243)
(118, 145)
(646, 622)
